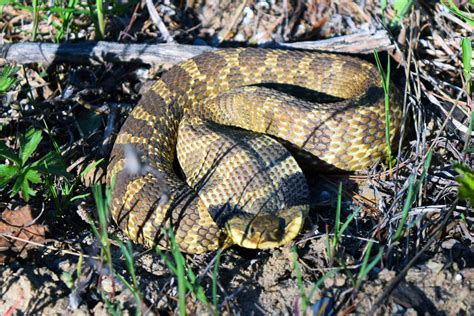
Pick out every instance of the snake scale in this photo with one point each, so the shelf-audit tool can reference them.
(229, 117)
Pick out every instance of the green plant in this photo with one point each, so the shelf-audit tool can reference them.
(299, 280)
(332, 244)
(64, 195)
(65, 16)
(102, 201)
(401, 7)
(465, 179)
(7, 78)
(22, 171)
(366, 267)
(453, 8)
(215, 273)
(413, 189)
(386, 89)
(100, 18)
(187, 280)
(466, 48)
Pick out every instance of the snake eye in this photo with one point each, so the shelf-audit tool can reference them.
(252, 230)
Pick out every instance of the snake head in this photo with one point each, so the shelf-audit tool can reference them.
(265, 231)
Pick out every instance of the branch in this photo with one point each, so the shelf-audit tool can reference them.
(99, 52)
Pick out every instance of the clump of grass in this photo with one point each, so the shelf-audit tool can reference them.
(102, 200)
(187, 279)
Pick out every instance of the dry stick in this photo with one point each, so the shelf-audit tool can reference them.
(155, 17)
(99, 52)
(394, 282)
(225, 32)
(67, 252)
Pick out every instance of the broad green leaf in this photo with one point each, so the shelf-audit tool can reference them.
(51, 163)
(28, 144)
(9, 154)
(27, 191)
(33, 176)
(7, 173)
(18, 183)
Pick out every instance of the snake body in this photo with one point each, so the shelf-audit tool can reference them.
(220, 115)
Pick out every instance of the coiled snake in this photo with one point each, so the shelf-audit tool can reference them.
(229, 108)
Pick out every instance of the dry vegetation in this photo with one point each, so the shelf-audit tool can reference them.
(409, 243)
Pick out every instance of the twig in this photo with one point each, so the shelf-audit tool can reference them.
(100, 52)
(155, 17)
(67, 252)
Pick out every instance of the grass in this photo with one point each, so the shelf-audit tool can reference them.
(413, 189)
(453, 8)
(60, 15)
(385, 76)
(102, 200)
(332, 244)
(187, 279)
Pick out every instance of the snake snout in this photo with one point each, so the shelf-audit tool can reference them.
(265, 231)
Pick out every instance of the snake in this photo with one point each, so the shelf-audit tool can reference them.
(224, 134)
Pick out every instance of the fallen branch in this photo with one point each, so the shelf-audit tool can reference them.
(98, 52)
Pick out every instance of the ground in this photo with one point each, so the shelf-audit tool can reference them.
(408, 246)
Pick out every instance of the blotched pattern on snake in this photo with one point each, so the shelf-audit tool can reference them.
(228, 117)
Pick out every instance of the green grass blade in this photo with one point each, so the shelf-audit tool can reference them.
(413, 189)
(215, 272)
(100, 18)
(386, 89)
(466, 47)
(299, 280)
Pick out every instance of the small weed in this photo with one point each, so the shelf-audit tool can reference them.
(401, 7)
(215, 273)
(22, 171)
(100, 18)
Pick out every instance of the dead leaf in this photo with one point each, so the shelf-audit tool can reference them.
(20, 224)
